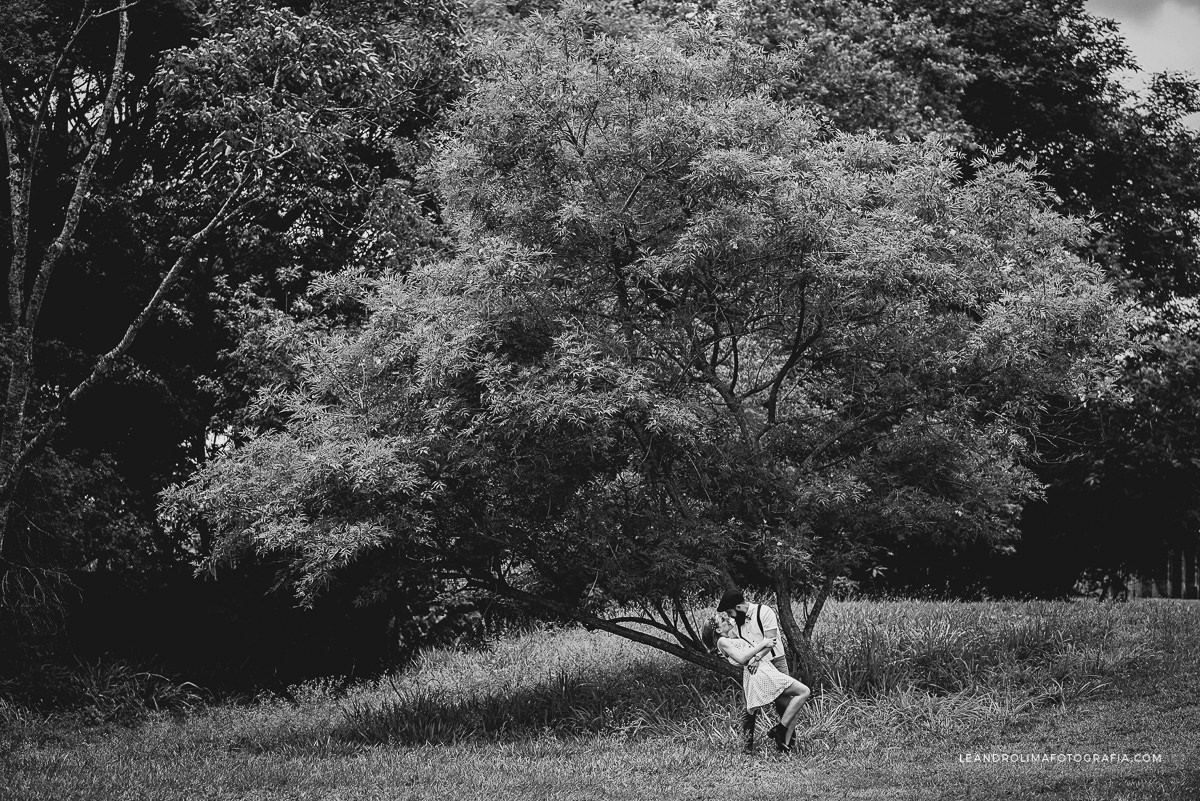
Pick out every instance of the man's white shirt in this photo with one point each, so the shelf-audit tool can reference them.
(752, 633)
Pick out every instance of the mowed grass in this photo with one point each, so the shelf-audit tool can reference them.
(909, 696)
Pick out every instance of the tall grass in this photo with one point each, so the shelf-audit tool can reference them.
(566, 681)
(887, 669)
(874, 649)
(887, 673)
(103, 691)
(562, 713)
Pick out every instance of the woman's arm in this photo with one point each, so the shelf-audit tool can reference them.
(742, 655)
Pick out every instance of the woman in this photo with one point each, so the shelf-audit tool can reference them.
(761, 682)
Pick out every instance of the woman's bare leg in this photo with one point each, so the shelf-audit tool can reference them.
(791, 716)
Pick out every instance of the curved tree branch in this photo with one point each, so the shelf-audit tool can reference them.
(704, 660)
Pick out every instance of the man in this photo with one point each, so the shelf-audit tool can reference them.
(755, 623)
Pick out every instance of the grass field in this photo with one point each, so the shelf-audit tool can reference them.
(916, 701)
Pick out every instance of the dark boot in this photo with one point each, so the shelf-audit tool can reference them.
(748, 722)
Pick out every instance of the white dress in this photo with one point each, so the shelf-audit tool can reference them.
(762, 685)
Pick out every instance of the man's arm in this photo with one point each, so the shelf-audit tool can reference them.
(770, 623)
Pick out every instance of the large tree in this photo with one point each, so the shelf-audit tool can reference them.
(690, 333)
(135, 136)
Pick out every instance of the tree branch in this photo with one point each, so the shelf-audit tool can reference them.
(35, 136)
(832, 439)
(682, 613)
(83, 180)
(106, 362)
(704, 660)
(17, 221)
(649, 621)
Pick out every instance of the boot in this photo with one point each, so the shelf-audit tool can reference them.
(749, 719)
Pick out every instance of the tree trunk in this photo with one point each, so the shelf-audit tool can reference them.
(1189, 571)
(25, 310)
(12, 437)
(1175, 572)
(801, 659)
(810, 623)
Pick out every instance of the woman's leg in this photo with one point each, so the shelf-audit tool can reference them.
(781, 664)
(798, 695)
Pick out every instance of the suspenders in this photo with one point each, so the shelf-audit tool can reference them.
(758, 616)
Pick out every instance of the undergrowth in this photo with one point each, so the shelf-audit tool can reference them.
(885, 670)
(104, 691)
(888, 673)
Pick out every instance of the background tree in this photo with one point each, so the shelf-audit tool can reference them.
(295, 124)
(69, 104)
(691, 333)
(864, 64)
(1045, 86)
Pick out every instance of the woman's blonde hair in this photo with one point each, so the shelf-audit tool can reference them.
(708, 634)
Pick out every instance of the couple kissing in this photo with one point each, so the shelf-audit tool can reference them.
(747, 635)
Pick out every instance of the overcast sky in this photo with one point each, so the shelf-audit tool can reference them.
(1162, 34)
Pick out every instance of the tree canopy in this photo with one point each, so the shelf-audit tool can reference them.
(690, 332)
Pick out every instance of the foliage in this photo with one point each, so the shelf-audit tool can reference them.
(325, 110)
(241, 150)
(1045, 86)
(1037, 81)
(864, 66)
(689, 332)
(1132, 497)
(868, 66)
(320, 106)
(293, 124)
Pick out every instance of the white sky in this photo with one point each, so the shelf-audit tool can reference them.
(1162, 34)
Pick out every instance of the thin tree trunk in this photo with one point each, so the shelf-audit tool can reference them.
(14, 428)
(799, 650)
(24, 312)
(810, 623)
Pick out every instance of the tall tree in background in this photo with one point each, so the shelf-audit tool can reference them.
(691, 333)
(57, 98)
(1045, 87)
(292, 124)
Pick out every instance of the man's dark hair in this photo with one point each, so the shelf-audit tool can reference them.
(730, 599)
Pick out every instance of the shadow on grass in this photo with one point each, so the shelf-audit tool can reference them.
(937, 669)
(626, 701)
